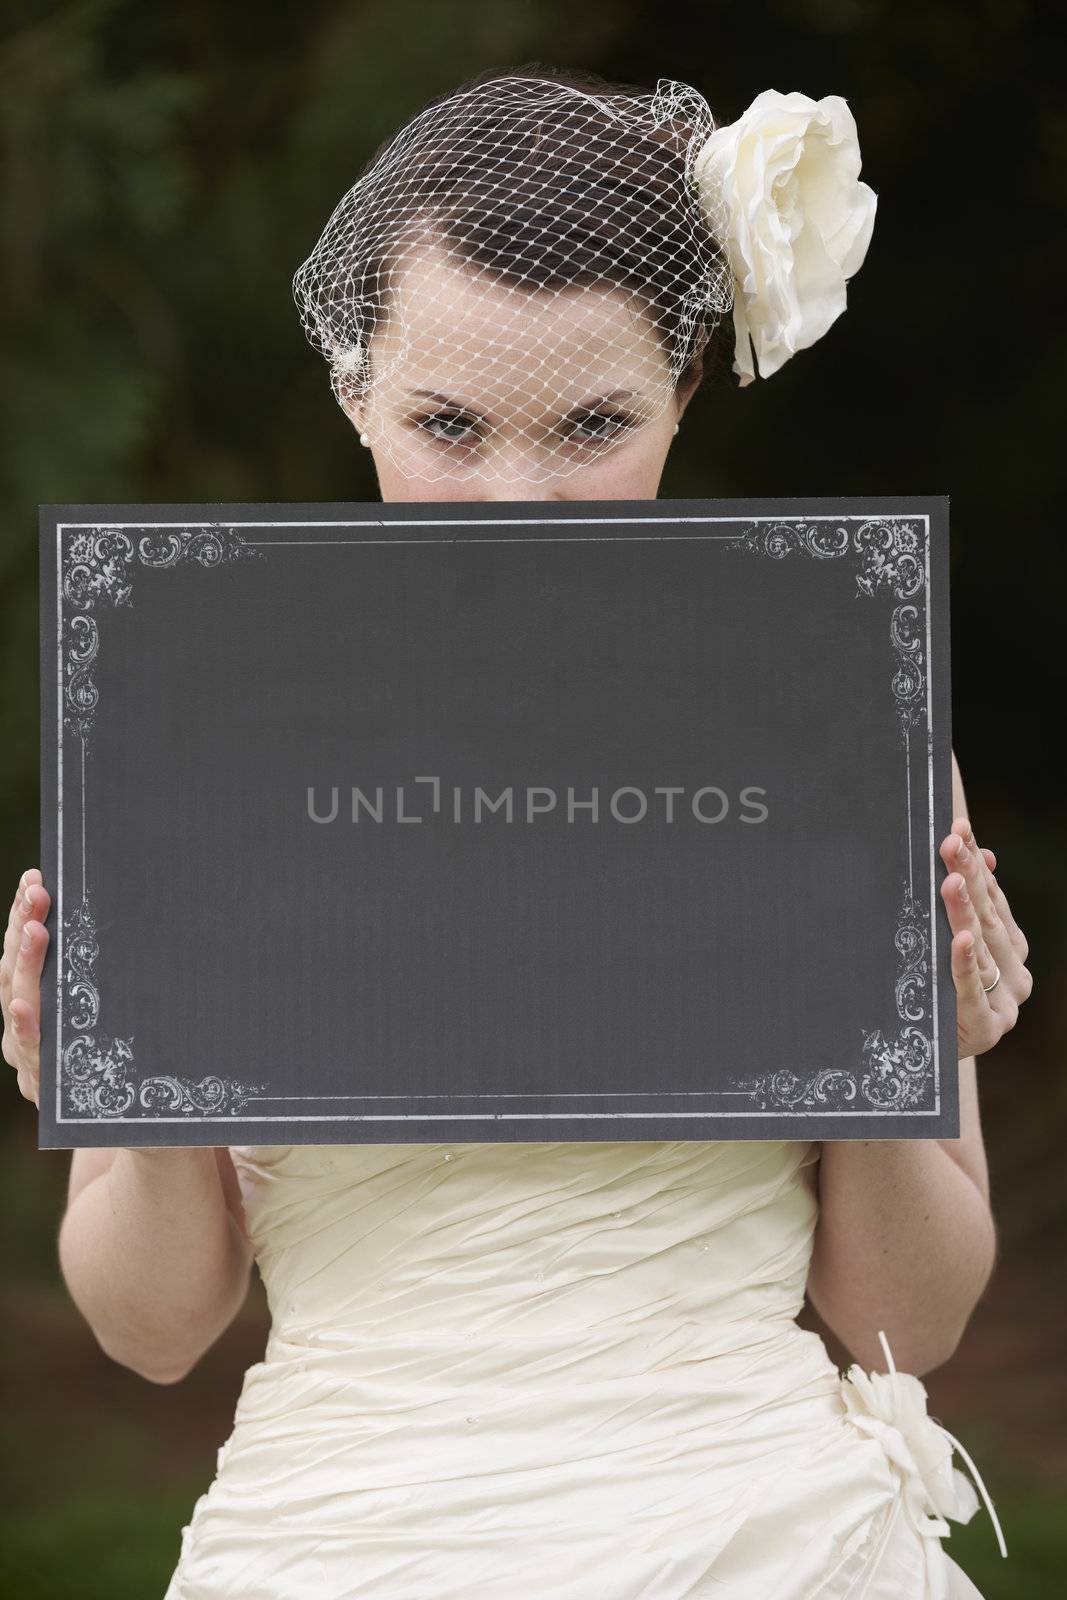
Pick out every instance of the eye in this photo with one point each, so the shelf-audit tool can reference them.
(586, 428)
(451, 427)
(597, 426)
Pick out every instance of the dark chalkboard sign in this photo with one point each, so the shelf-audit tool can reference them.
(496, 821)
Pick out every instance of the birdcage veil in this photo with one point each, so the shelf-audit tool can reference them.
(519, 225)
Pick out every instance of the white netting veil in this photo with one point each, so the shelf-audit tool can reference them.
(524, 270)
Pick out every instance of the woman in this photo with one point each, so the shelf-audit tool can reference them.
(565, 1370)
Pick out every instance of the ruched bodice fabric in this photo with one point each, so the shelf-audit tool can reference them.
(548, 1371)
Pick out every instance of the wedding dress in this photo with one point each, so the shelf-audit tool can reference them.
(559, 1372)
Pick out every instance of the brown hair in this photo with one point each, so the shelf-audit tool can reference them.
(547, 202)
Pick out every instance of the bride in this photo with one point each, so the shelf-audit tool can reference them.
(565, 1371)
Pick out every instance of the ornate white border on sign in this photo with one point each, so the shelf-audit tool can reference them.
(97, 1078)
(891, 557)
(896, 1074)
(97, 566)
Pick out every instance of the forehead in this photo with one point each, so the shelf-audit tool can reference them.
(449, 322)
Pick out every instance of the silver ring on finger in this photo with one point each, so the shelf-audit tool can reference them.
(990, 986)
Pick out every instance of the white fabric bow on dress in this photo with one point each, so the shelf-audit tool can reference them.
(891, 1407)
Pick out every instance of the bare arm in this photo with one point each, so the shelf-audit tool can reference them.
(153, 1255)
(153, 1246)
(905, 1243)
(905, 1240)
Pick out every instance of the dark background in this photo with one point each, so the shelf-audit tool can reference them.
(165, 170)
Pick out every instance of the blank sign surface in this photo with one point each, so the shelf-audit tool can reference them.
(496, 822)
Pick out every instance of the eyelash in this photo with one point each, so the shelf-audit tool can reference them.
(619, 419)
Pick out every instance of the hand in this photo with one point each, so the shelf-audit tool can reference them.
(25, 943)
(985, 936)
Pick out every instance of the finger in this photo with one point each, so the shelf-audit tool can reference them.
(969, 988)
(29, 1087)
(26, 983)
(34, 906)
(10, 1044)
(18, 1027)
(23, 905)
(21, 990)
(996, 943)
(972, 863)
(977, 1026)
(37, 903)
(962, 919)
(1015, 933)
(1002, 932)
(961, 829)
(23, 1020)
(952, 844)
(31, 875)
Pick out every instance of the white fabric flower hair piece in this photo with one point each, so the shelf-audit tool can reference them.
(799, 220)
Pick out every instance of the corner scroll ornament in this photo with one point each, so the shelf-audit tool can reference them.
(890, 558)
(97, 565)
(897, 1074)
(830, 1089)
(779, 539)
(913, 950)
(97, 1076)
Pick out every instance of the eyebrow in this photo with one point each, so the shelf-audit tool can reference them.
(581, 405)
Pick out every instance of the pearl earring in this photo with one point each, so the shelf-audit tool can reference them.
(363, 439)
(677, 425)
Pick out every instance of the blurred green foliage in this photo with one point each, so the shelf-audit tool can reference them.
(126, 1542)
(166, 168)
(119, 1543)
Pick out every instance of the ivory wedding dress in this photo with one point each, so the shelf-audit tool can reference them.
(559, 1372)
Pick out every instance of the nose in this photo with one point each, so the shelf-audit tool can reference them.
(514, 476)
(500, 490)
